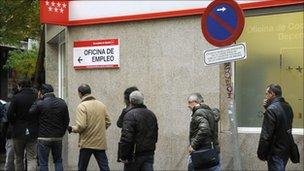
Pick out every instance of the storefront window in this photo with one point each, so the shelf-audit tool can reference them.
(275, 55)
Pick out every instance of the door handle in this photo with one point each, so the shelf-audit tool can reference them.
(300, 115)
(289, 68)
(299, 69)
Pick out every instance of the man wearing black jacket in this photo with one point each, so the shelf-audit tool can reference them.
(139, 136)
(53, 122)
(7, 131)
(275, 139)
(24, 126)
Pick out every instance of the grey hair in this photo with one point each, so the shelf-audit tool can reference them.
(136, 97)
(196, 97)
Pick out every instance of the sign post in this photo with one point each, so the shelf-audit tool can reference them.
(222, 24)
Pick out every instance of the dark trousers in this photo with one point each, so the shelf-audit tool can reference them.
(276, 163)
(141, 163)
(100, 156)
(44, 148)
(20, 145)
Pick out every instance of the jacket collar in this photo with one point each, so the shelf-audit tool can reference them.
(87, 98)
(278, 99)
(48, 95)
(201, 106)
(138, 106)
(26, 89)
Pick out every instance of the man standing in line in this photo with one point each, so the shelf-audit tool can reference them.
(53, 122)
(203, 128)
(92, 120)
(24, 126)
(275, 141)
(127, 93)
(139, 136)
(7, 131)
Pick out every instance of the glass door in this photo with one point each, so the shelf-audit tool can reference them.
(292, 81)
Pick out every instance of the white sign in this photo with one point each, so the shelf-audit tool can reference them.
(225, 54)
(96, 54)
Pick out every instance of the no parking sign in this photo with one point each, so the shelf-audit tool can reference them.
(222, 22)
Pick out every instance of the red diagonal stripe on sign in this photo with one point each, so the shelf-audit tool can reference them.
(222, 22)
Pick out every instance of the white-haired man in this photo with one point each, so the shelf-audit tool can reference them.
(139, 135)
(203, 131)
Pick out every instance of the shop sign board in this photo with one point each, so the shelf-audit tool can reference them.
(74, 13)
(96, 54)
(222, 22)
(225, 54)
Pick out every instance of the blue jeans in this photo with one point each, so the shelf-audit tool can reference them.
(141, 163)
(44, 148)
(214, 168)
(277, 163)
(100, 156)
(9, 162)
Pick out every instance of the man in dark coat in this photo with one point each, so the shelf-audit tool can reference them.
(203, 127)
(53, 122)
(139, 136)
(275, 139)
(24, 126)
(7, 131)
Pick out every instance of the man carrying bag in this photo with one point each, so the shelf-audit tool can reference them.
(204, 147)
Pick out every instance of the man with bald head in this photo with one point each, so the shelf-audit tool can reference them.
(139, 135)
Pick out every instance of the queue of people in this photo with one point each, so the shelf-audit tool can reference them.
(36, 122)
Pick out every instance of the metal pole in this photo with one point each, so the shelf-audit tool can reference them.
(237, 164)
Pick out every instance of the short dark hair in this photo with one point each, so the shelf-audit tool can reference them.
(15, 89)
(46, 88)
(25, 83)
(276, 89)
(127, 93)
(84, 89)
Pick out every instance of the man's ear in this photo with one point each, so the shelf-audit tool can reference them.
(272, 93)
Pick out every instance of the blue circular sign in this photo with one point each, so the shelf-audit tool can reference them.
(222, 22)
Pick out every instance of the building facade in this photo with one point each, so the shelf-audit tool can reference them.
(163, 58)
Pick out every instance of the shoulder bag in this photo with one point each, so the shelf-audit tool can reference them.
(205, 158)
(294, 151)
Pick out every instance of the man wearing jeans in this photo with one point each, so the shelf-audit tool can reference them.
(275, 143)
(139, 136)
(24, 126)
(91, 122)
(53, 122)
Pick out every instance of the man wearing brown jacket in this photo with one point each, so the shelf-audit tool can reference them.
(92, 120)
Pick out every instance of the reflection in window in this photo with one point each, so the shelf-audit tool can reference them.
(275, 55)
